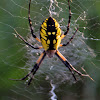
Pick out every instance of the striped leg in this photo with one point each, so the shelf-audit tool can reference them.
(69, 39)
(26, 41)
(68, 26)
(34, 69)
(39, 61)
(69, 66)
(64, 60)
(30, 23)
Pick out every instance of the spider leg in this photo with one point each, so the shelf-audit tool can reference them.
(34, 69)
(71, 68)
(80, 72)
(63, 35)
(69, 39)
(39, 61)
(26, 41)
(64, 60)
(30, 23)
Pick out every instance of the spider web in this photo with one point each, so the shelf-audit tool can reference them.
(53, 80)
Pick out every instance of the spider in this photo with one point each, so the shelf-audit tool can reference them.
(50, 38)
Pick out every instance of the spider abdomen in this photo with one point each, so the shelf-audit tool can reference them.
(50, 34)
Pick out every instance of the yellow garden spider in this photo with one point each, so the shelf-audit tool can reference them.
(50, 38)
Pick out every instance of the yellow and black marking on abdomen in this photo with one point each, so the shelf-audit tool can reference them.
(50, 34)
